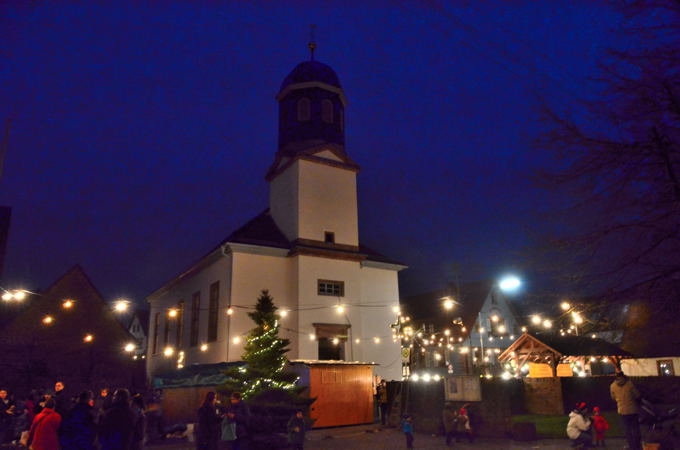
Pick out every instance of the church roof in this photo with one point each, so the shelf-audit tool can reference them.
(311, 71)
(262, 230)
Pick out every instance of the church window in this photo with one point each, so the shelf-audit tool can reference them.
(329, 237)
(304, 110)
(213, 308)
(332, 340)
(331, 287)
(156, 324)
(327, 111)
(195, 317)
(179, 337)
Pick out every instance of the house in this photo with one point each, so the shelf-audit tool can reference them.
(457, 330)
(336, 297)
(68, 332)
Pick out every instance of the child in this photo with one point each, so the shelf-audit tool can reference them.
(600, 425)
(463, 425)
(407, 428)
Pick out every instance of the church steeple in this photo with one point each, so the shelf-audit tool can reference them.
(311, 107)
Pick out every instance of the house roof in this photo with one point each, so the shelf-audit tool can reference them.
(61, 347)
(469, 298)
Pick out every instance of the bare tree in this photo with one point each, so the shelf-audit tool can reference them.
(620, 165)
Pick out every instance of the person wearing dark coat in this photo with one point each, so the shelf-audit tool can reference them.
(61, 399)
(117, 424)
(208, 426)
(78, 429)
(238, 413)
(139, 435)
(296, 431)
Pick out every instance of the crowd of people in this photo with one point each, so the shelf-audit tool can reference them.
(57, 420)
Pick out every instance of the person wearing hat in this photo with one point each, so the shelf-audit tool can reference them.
(578, 428)
(627, 397)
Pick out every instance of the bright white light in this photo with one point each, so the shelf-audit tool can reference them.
(172, 313)
(204, 347)
(336, 341)
(130, 347)
(448, 303)
(376, 340)
(312, 337)
(502, 329)
(88, 338)
(20, 295)
(535, 319)
(427, 377)
(121, 305)
(547, 324)
(284, 313)
(236, 340)
(437, 378)
(341, 309)
(565, 306)
(506, 375)
(396, 310)
(230, 311)
(510, 283)
(67, 304)
(168, 351)
(415, 377)
(47, 320)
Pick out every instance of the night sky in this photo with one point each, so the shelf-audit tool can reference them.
(141, 131)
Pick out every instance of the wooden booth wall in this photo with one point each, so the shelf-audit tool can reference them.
(181, 404)
(344, 394)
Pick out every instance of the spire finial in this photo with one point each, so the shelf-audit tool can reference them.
(312, 44)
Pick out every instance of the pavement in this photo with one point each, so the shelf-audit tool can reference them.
(375, 437)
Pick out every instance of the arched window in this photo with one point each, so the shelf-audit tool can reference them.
(327, 111)
(303, 110)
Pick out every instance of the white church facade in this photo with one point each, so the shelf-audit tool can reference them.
(337, 298)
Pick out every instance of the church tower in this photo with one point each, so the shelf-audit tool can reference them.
(313, 193)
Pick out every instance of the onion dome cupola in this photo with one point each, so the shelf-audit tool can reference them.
(311, 107)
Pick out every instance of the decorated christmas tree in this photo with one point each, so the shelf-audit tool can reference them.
(264, 354)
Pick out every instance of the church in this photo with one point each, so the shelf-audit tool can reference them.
(338, 299)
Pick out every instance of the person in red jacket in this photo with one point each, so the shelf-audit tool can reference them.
(600, 425)
(43, 432)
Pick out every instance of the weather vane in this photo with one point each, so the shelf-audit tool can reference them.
(312, 44)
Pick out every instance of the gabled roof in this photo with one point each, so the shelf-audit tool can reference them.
(469, 298)
(61, 348)
(559, 347)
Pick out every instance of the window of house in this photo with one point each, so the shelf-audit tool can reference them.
(304, 112)
(331, 287)
(179, 337)
(329, 237)
(166, 331)
(195, 317)
(665, 368)
(156, 324)
(327, 111)
(213, 309)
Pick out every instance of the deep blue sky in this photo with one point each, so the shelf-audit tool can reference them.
(141, 131)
